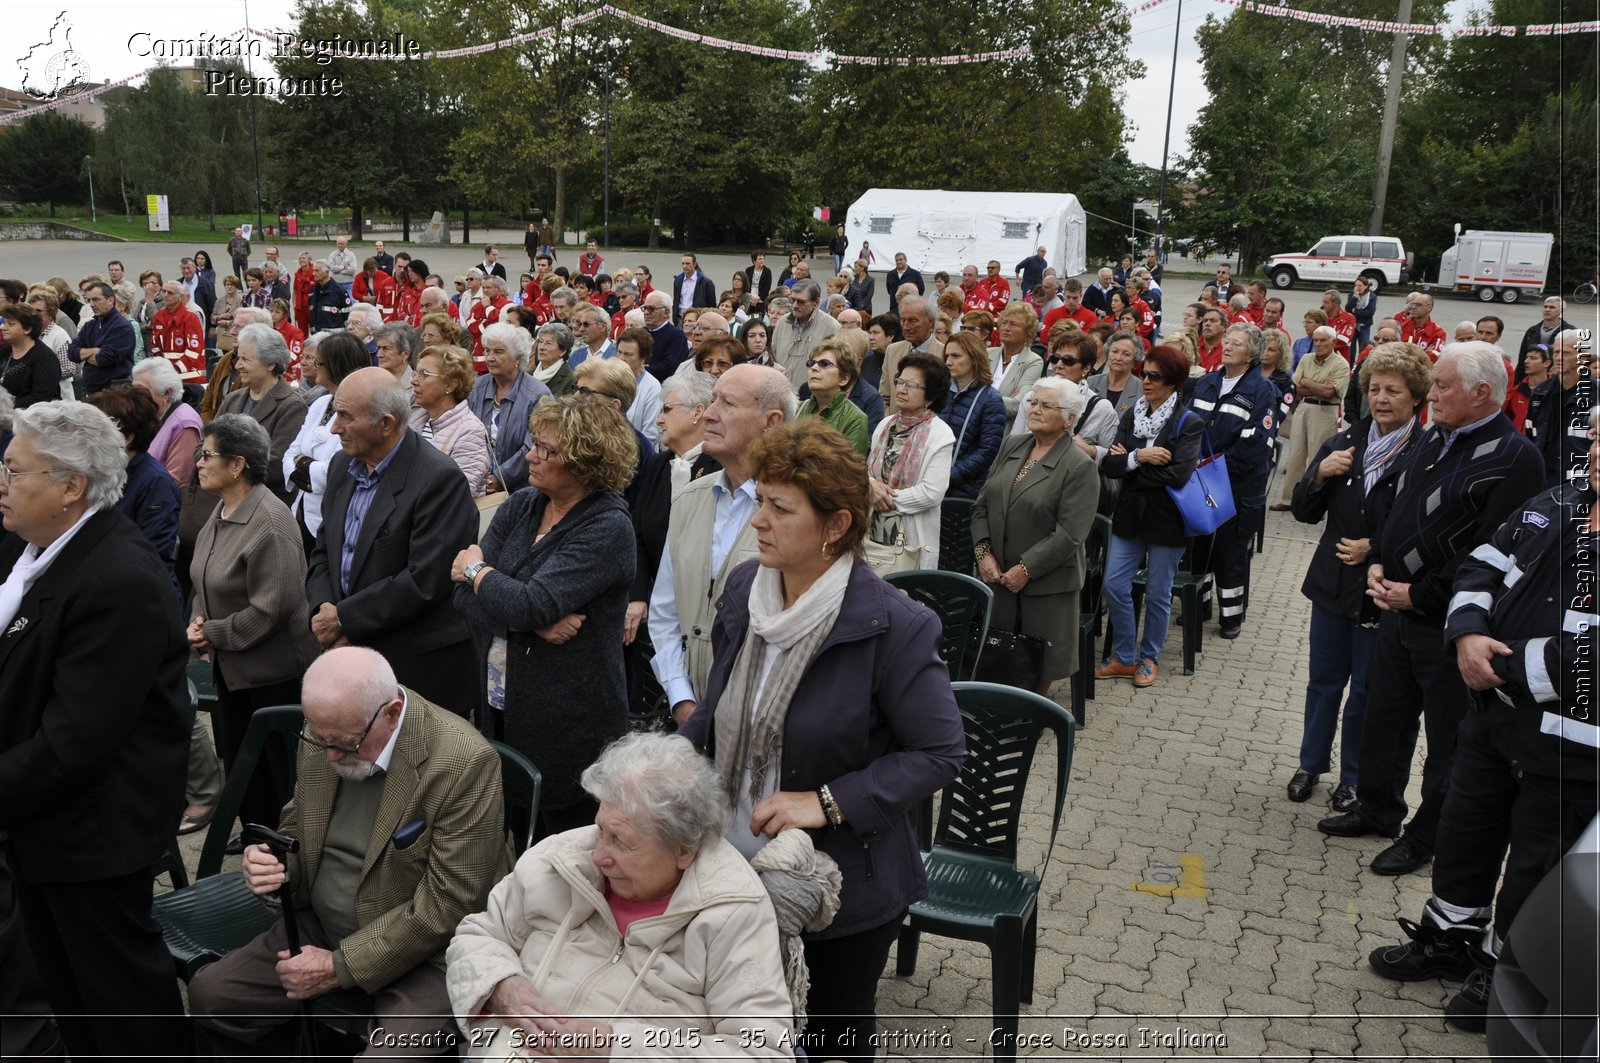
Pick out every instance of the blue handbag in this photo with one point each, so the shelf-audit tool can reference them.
(1206, 500)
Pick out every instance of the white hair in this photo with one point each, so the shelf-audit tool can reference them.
(391, 400)
(252, 315)
(1568, 334)
(1067, 394)
(694, 387)
(660, 782)
(1326, 330)
(160, 375)
(1477, 363)
(365, 311)
(270, 348)
(517, 340)
(78, 438)
(8, 410)
(774, 392)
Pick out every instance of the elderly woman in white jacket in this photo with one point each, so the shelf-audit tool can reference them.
(439, 388)
(649, 925)
(908, 464)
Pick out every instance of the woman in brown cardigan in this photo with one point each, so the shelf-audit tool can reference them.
(250, 612)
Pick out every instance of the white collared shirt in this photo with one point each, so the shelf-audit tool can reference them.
(383, 758)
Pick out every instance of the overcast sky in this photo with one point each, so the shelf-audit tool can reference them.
(100, 34)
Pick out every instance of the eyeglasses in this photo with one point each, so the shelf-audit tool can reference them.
(902, 382)
(652, 309)
(318, 744)
(1150, 375)
(202, 454)
(823, 363)
(428, 374)
(1053, 407)
(544, 453)
(9, 474)
(668, 407)
(585, 389)
(1064, 359)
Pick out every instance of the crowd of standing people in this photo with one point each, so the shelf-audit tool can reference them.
(435, 518)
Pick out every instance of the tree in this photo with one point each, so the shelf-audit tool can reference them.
(1044, 123)
(155, 142)
(1286, 149)
(41, 160)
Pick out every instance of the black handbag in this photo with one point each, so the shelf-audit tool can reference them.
(1012, 658)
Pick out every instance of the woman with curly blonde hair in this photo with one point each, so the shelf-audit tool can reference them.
(547, 617)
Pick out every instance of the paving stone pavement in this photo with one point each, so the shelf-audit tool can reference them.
(1190, 909)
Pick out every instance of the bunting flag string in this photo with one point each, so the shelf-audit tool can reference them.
(825, 57)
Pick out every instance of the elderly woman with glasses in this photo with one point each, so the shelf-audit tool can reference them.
(1157, 447)
(1029, 525)
(831, 371)
(94, 738)
(250, 613)
(439, 388)
(260, 361)
(546, 594)
(699, 964)
(908, 467)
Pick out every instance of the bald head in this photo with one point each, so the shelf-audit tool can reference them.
(348, 692)
(849, 318)
(711, 323)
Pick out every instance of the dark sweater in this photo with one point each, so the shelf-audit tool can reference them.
(1447, 506)
(34, 377)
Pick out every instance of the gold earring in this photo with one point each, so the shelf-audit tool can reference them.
(825, 550)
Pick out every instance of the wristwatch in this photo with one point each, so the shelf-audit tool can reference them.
(470, 574)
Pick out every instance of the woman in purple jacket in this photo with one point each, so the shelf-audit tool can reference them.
(828, 709)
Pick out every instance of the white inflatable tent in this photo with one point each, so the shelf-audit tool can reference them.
(948, 230)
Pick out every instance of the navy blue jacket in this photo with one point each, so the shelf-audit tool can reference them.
(1241, 425)
(977, 445)
(113, 334)
(670, 348)
(150, 500)
(874, 719)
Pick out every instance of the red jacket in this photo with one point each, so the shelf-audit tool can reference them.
(1085, 318)
(408, 301)
(1429, 337)
(296, 341)
(379, 292)
(1344, 323)
(990, 294)
(1210, 357)
(482, 318)
(1147, 320)
(304, 280)
(178, 336)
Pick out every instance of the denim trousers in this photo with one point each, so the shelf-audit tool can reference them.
(1340, 651)
(1122, 562)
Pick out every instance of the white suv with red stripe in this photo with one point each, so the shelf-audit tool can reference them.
(1340, 260)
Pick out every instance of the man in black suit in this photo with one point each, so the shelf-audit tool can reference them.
(902, 274)
(757, 277)
(491, 265)
(385, 259)
(701, 291)
(94, 737)
(276, 284)
(201, 295)
(396, 513)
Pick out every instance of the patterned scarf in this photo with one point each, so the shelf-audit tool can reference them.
(749, 734)
(1148, 425)
(905, 448)
(1381, 452)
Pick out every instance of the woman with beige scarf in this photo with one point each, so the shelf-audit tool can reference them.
(830, 711)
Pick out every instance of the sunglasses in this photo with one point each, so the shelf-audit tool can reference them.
(1150, 375)
(1066, 359)
(821, 363)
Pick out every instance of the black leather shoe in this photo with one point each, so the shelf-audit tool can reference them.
(1350, 824)
(235, 846)
(1301, 785)
(1431, 953)
(1231, 631)
(1469, 1009)
(1401, 858)
(1343, 798)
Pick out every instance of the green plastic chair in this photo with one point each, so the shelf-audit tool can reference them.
(975, 890)
(200, 677)
(955, 536)
(218, 913)
(1091, 611)
(963, 605)
(348, 1010)
(171, 862)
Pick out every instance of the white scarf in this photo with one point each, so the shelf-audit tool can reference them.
(683, 467)
(1148, 425)
(29, 567)
(544, 374)
(784, 627)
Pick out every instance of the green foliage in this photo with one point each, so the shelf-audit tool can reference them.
(41, 160)
(155, 143)
(1046, 123)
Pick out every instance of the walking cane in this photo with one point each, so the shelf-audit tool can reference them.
(281, 846)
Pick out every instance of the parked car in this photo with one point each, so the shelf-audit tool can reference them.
(1340, 260)
(1543, 1001)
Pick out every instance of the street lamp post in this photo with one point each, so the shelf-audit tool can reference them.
(88, 163)
(1166, 142)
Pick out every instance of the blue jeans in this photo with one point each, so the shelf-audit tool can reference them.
(1340, 651)
(838, 264)
(1121, 564)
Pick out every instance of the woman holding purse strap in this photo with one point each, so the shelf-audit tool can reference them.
(908, 467)
(1030, 523)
